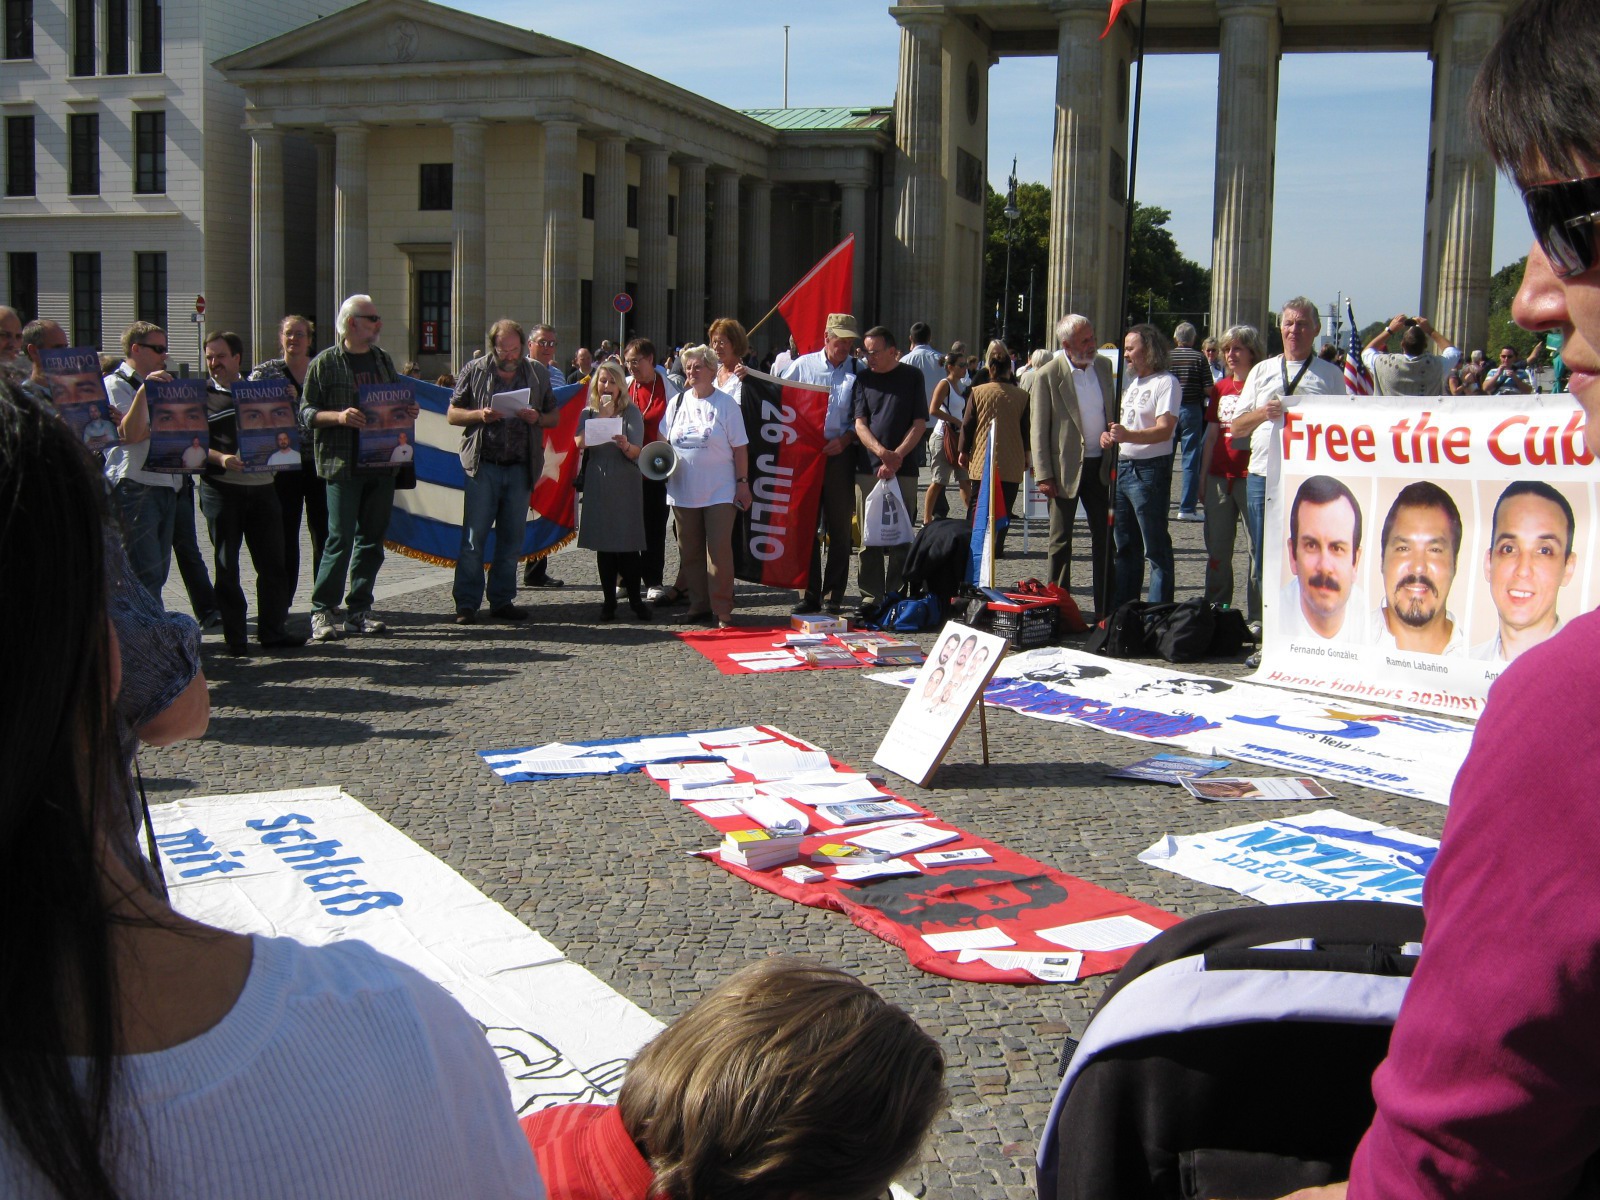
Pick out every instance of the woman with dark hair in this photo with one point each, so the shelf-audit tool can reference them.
(647, 386)
(1143, 436)
(148, 1055)
(998, 409)
(730, 343)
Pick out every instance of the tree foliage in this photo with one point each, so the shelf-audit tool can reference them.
(1503, 331)
(1164, 284)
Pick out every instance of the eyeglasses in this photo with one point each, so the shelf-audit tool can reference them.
(373, 317)
(1563, 214)
(161, 349)
(549, 342)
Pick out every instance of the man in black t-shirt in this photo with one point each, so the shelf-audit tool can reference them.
(1194, 375)
(890, 409)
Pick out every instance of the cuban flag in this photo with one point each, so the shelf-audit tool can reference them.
(1357, 379)
(980, 570)
(426, 521)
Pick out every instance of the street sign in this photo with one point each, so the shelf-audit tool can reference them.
(200, 305)
(622, 302)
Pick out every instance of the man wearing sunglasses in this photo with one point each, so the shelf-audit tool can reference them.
(1507, 379)
(1491, 1087)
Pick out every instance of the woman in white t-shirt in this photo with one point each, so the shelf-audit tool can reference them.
(945, 410)
(147, 1055)
(1143, 436)
(711, 483)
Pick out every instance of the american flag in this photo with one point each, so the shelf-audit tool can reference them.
(1357, 379)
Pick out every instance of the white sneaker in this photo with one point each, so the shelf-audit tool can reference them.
(323, 628)
(364, 622)
(656, 594)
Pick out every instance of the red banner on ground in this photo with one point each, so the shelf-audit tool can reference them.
(826, 288)
(772, 542)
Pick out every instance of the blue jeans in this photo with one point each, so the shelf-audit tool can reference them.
(1255, 519)
(148, 515)
(1144, 491)
(1191, 441)
(495, 498)
(191, 564)
(358, 517)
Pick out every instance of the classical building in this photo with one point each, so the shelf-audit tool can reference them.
(127, 176)
(941, 139)
(459, 169)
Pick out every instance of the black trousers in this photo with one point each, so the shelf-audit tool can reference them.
(249, 515)
(835, 514)
(302, 491)
(1096, 509)
(656, 513)
(619, 568)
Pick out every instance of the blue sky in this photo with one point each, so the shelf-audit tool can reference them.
(1352, 129)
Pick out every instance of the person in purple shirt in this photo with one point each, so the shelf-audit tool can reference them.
(1492, 1084)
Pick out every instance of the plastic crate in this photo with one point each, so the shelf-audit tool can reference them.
(1024, 621)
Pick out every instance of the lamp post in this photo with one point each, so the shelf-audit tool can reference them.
(1011, 214)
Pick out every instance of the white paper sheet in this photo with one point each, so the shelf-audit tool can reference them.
(510, 403)
(711, 791)
(690, 772)
(557, 766)
(598, 430)
(782, 761)
(857, 872)
(985, 938)
(781, 661)
(1108, 933)
(656, 749)
(742, 735)
(905, 837)
(1051, 968)
(714, 809)
(772, 813)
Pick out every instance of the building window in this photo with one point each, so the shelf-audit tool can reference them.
(19, 28)
(588, 197)
(116, 37)
(24, 271)
(150, 152)
(83, 55)
(150, 37)
(20, 173)
(151, 273)
(586, 311)
(672, 216)
(633, 207)
(86, 300)
(83, 136)
(437, 187)
(433, 312)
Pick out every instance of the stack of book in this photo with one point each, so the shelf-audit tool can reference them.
(842, 853)
(759, 849)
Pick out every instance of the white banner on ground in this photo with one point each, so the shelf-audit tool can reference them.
(316, 865)
(1415, 546)
(1325, 855)
(1406, 753)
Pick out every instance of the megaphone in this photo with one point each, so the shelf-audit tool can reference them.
(658, 460)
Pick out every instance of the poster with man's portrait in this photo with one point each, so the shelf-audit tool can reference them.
(269, 436)
(179, 435)
(952, 678)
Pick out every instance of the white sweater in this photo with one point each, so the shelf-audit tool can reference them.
(340, 1073)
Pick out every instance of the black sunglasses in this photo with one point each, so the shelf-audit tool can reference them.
(161, 349)
(1563, 214)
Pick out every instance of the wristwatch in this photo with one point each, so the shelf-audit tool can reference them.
(742, 479)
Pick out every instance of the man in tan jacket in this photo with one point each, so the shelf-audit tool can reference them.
(1070, 397)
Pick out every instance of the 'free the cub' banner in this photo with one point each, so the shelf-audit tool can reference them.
(1414, 547)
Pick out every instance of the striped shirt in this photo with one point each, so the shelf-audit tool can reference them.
(584, 1153)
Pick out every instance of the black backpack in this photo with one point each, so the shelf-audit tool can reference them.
(1233, 1056)
(1183, 632)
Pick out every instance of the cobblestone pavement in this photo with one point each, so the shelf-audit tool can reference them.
(601, 866)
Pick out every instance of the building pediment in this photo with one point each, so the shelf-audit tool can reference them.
(390, 33)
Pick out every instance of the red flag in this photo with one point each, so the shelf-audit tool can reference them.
(826, 288)
(772, 542)
(1116, 9)
(553, 498)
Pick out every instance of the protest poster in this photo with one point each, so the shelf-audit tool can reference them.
(1415, 546)
(316, 865)
(269, 435)
(784, 421)
(942, 694)
(1324, 855)
(386, 440)
(179, 435)
(78, 391)
(1410, 754)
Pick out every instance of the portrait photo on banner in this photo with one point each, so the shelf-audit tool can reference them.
(1448, 538)
(951, 680)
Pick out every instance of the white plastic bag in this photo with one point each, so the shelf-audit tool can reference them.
(886, 521)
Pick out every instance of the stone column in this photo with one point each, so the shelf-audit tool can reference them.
(853, 219)
(1247, 131)
(725, 244)
(919, 169)
(1458, 233)
(563, 198)
(650, 315)
(756, 267)
(327, 303)
(349, 212)
(691, 313)
(468, 322)
(1079, 175)
(610, 232)
(266, 241)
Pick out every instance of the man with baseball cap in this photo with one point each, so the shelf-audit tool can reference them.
(835, 367)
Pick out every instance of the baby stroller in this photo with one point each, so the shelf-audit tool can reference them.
(1232, 1057)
